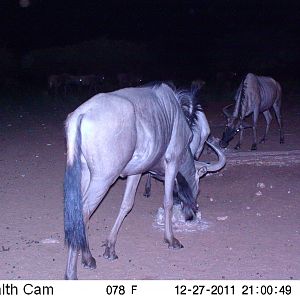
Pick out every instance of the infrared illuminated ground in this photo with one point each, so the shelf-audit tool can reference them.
(253, 213)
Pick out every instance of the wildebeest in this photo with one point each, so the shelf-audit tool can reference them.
(127, 133)
(64, 84)
(255, 94)
(129, 80)
(192, 101)
(57, 84)
(96, 82)
(90, 83)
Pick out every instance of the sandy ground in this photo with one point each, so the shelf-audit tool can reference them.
(251, 213)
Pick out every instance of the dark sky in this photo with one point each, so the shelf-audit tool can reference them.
(50, 22)
(233, 27)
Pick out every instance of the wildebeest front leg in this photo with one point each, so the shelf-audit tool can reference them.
(238, 145)
(126, 206)
(147, 192)
(170, 175)
(255, 118)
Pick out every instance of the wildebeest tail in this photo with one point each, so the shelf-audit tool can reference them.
(75, 235)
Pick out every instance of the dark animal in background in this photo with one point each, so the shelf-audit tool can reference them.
(255, 94)
(73, 84)
(97, 83)
(66, 84)
(76, 84)
(57, 84)
(90, 83)
(129, 80)
(127, 133)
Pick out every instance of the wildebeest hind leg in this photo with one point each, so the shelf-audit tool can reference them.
(92, 198)
(170, 175)
(268, 118)
(126, 206)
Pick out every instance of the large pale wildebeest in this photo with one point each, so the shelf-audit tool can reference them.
(255, 94)
(127, 133)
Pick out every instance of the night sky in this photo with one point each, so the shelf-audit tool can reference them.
(196, 29)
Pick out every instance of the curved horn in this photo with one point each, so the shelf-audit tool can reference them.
(203, 167)
(225, 110)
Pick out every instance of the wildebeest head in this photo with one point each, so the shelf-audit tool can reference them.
(187, 188)
(228, 135)
(233, 126)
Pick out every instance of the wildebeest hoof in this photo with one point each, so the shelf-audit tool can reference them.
(237, 147)
(253, 147)
(281, 140)
(175, 244)
(110, 254)
(89, 264)
(146, 194)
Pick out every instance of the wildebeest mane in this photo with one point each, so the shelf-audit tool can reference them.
(242, 96)
(190, 104)
(189, 100)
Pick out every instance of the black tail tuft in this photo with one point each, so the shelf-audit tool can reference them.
(189, 204)
(75, 235)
